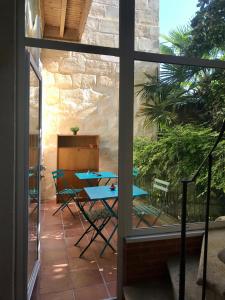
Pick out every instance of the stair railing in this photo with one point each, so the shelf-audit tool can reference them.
(185, 183)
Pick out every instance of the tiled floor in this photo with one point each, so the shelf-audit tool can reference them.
(65, 276)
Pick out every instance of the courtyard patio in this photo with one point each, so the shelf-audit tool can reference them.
(63, 274)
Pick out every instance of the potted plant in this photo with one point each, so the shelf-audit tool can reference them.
(74, 130)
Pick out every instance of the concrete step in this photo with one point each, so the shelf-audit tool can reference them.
(192, 290)
(152, 290)
(215, 264)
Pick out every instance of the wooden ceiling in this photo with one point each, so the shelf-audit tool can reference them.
(64, 19)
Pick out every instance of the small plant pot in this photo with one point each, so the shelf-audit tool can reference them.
(75, 132)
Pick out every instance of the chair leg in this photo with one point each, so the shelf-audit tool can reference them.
(98, 232)
(70, 210)
(63, 205)
(57, 210)
(109, 239)
(88, 245)
(86, 231)
(139, 221)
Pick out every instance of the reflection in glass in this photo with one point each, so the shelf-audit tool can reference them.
(190, 28)
(33, 193)
(179, 111)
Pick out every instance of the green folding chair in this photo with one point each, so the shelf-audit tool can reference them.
(144, 209)
(65, 194)
(97, 218)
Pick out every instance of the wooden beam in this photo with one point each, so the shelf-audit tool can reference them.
(42, 15)
(63, 18)
(52, 32)
(83, 19)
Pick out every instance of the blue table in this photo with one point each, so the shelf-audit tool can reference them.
(104, 193)
(90, 176)
(95, 175)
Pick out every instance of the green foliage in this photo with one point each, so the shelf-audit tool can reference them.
(208, 29)
(74, 129)
(177, 42)
(177, 154)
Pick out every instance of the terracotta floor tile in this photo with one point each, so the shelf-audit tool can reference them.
(54, 269)
(72, 232)
(55, 283)
(52, 234)
(53, 256)
(69, 241)
(67, 295)
(110, 273)
(112, 287)
(82, 263)
(95, 292)
(84, 278)
(61, 268)
(52, 227)
(52, 244)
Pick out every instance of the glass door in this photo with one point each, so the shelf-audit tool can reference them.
(33, 174)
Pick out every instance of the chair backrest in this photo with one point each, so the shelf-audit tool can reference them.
(161, 185)
(58, 174)
(135, 172)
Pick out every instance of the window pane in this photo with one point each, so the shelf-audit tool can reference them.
(179, 111)
(34, 161)
(88, 22)
(182, 28)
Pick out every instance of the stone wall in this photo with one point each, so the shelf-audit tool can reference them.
(83, 89)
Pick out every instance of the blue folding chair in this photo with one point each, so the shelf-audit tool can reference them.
(65, 194)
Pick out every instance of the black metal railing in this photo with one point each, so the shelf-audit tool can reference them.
(208, 161)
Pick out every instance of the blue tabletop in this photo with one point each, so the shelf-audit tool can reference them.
(95, 175)
(104, 192)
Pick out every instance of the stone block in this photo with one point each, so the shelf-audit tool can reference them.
(141, 4)
(105, 81)
(75, 64)
(143, 30)
(111, 59)
(48, 78)
(92, 24)
(104, 39)
(108, 2)
(97, 10)
(50, 65)
(100, 67)
(76, 79)
(144, 16)
(98, 38)
(95, 96)
(74, 95)
(112, 12)
(88, 81)
(63, 81)
(52, 95)
(147, 44)
(54, 54)
(109, 26)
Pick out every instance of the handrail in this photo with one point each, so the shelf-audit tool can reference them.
(185, 182)
(219, 138)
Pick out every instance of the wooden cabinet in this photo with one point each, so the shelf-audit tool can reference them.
(77, 153)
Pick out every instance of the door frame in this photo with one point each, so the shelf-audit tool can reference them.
(127, 54)
(32, 64)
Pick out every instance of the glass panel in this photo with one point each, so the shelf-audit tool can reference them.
(80, 90)
(182, 28)
(178, 114)
(34, 152)
(87, 22)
